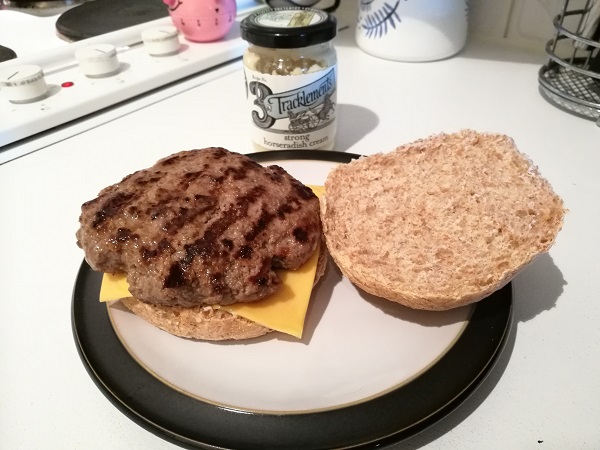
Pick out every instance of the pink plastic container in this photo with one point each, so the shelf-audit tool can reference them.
(202, 20)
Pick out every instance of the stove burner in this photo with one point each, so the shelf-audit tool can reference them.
(6, 54)
(40, 8)
(103, 16)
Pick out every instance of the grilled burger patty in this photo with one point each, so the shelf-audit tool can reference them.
(201, 227)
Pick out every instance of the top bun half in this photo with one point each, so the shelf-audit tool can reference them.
(441, 222)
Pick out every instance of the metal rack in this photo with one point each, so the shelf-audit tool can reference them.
(571, 77)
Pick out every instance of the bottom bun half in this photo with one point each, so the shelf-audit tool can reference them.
(196, 322)
(204, 322)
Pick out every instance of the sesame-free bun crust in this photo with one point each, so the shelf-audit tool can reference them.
(441, 222)
(196, 322)
(204, 322)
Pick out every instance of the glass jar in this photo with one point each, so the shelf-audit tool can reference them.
(290, 68)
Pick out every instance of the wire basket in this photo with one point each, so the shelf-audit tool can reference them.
(571, 77)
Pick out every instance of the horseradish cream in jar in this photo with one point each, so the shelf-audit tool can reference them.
(290, 68)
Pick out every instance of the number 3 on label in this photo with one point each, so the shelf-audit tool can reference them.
(261, 92)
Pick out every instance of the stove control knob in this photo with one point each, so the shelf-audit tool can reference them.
(98, 60)
(23, 84)
(161, 41)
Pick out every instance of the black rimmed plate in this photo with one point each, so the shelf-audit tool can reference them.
(367, 371)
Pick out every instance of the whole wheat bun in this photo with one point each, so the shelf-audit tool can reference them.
(441, 222)
(196, 322)
(206, 323)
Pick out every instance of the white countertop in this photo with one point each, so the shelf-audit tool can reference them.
(543, 392)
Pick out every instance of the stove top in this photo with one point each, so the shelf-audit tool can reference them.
(59, 97)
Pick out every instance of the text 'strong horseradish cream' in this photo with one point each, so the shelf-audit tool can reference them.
(290, 69)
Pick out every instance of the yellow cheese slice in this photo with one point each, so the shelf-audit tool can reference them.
(284, 311)
(318, 190)
(114, 287)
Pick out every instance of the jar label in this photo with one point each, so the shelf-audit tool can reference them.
(292, 111)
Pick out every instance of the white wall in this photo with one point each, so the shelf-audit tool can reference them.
(524, 23)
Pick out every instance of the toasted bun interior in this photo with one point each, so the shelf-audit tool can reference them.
(441, 222)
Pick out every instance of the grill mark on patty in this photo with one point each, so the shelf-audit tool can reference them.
(206, 246)
(156, 211)
(276, 173)
(176, 276)
(219, 152)
(291, 205)
(143, 181)
(163, 246)
(124, 234)
(304, 192)
(217, 283)
(245, 252)
(133, 211)
(190, 177)
(241, 172)
(262, 277)
(260, 225)
(300, 234)
(112, 206)
(187, 215)
(236, 173)
(163, 208)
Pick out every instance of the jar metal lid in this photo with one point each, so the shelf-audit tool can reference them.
(288, 27)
